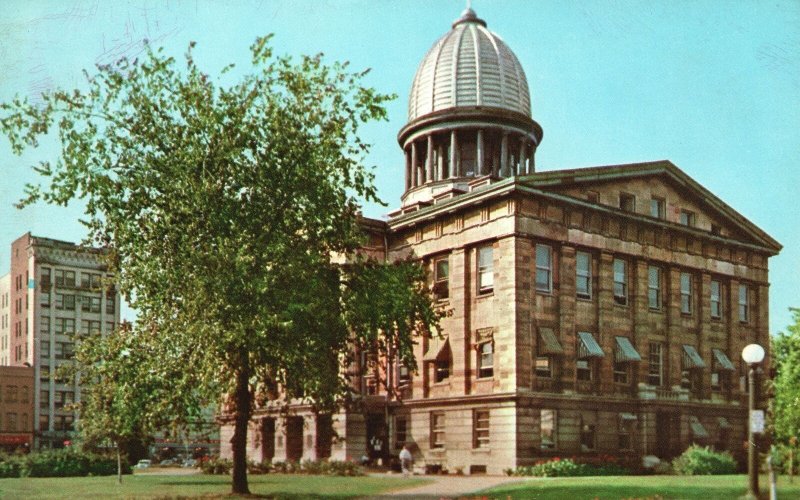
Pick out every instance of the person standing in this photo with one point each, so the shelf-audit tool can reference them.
(405, 460)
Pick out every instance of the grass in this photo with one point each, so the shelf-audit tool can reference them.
(639, 487)
(143, 486)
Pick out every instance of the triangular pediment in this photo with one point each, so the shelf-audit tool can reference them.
(638, 188)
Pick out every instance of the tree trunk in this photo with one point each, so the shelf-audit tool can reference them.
(119, 465)
(241, 415)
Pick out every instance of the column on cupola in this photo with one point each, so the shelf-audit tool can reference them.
(454, 155)
(429, 161)
(479, 154)
(415, 165)
(504, 170)
(522, 150)
(408, 169)
(441, 174)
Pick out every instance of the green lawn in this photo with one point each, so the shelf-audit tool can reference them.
(639, 487)
(191, 486)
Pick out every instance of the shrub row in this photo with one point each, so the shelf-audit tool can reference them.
(703, 461)
(568, 467)
(66, 462)
(319, 467)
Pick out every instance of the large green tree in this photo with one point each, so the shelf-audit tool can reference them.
(786, 384)
(221, 202)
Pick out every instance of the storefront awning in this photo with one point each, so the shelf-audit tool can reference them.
(691, 359)
(436, 347)
(627, 416)
(698, 430)
(588, 346)
(625, 351)
(722, 360)
(548, 342)
(723, 423)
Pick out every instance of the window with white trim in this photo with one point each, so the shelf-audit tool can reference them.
(686, 293)
(620, 282)
(716, 299)
(654, 287)
(485, 269)
(583, 272)
(544, 268)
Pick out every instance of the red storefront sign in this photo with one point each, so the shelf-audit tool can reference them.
(15, 439)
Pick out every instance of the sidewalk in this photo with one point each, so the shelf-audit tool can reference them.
(444, 487)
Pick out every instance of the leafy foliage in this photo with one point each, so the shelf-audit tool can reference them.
(220, 206)
(568, 467)
(786, 384)
(703, 461)
(222, 466)
(67, 462)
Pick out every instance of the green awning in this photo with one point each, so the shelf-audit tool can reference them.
(588, 346)
(627, 416)
(691, 359)
(548, 342)
(436, 347)
(722, 360)
(625, 351)
(723, 423)
(698, 430)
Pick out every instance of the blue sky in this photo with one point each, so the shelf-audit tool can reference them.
(713, 86)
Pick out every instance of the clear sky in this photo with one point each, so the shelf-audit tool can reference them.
(713, 86)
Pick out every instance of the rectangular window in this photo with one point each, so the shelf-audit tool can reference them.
(437, 430)
(65, 278)
(544, 369)
(441, 279)
(716, 299)
(90, 304)
(44, 326)
(44, 399)
(547, 424)
(65, 326)
(587, 436)
(44, 423)
(583, 271)
(400, 432)
(656, 363)
(442, 369)
(111, 303)
(45, 352)
(90, 281)
(45, 276)
(687, 218)
(657, 208)
(486, 360)
(625, 427)
(11, 421)
(744, 304)
(686, 293)
(627, 202)
(544, 268)
(109, 326)
(654, 287)
(620, 282)
(44, 300)
(480, 429)
(65, 301)
(403, 373)
(583, 370)
(620, 372)
(485, 269)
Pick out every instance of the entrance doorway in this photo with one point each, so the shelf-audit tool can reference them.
(267, 439)
(376, 438)
(294, 439)
(667, 434)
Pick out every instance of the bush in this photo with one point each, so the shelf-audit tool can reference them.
(67, 462)
(219, 466)
(569, 467)
(703, 461)
(315, 467)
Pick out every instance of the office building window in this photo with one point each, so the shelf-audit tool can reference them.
(44, 423)
(716, 299)
(44, 277)
(544, 268)
(620, 282)
(654, 287)
(544, 367)
(627, 202)
(744, 304)
(655, 364)
(400, 432)
(90, 304)
(548, 427)
(65, 278)
(485, 269)
(441, 278)
(486, 360)
(65, 301)
(621, 372)
(437, 430)
(45, 349)
(480, 429)
(111, 303)
(657, 209)
(687, 218)
(65, 326)
(583, 368)
(583, 271)
(686, 293)
(44, 300)
(90, 281)
(442, 367)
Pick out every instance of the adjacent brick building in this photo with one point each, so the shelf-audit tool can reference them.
(16, 408)
(590, 311)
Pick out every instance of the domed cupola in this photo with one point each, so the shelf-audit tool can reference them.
(469, 114)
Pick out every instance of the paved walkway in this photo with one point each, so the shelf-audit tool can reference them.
(445, 487)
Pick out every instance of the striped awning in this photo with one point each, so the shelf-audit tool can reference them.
(722, 360)
(698, 430)
(627, 416)
(691, 359)
(625, 351)
(588, 346)
(723, 423)
(548, 342)
(436, 347)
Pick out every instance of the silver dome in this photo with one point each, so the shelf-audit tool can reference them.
(469, 66)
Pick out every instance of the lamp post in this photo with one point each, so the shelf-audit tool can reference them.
(752, 354)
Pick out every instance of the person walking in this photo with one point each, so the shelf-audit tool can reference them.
(405, 460)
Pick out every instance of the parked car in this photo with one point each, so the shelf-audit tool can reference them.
(169, 461)
(191, 462)
(143, 464)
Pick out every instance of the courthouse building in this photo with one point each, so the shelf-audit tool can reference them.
(590, 311)
(54, 290)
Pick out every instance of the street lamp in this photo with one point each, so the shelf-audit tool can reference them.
(752, 354)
